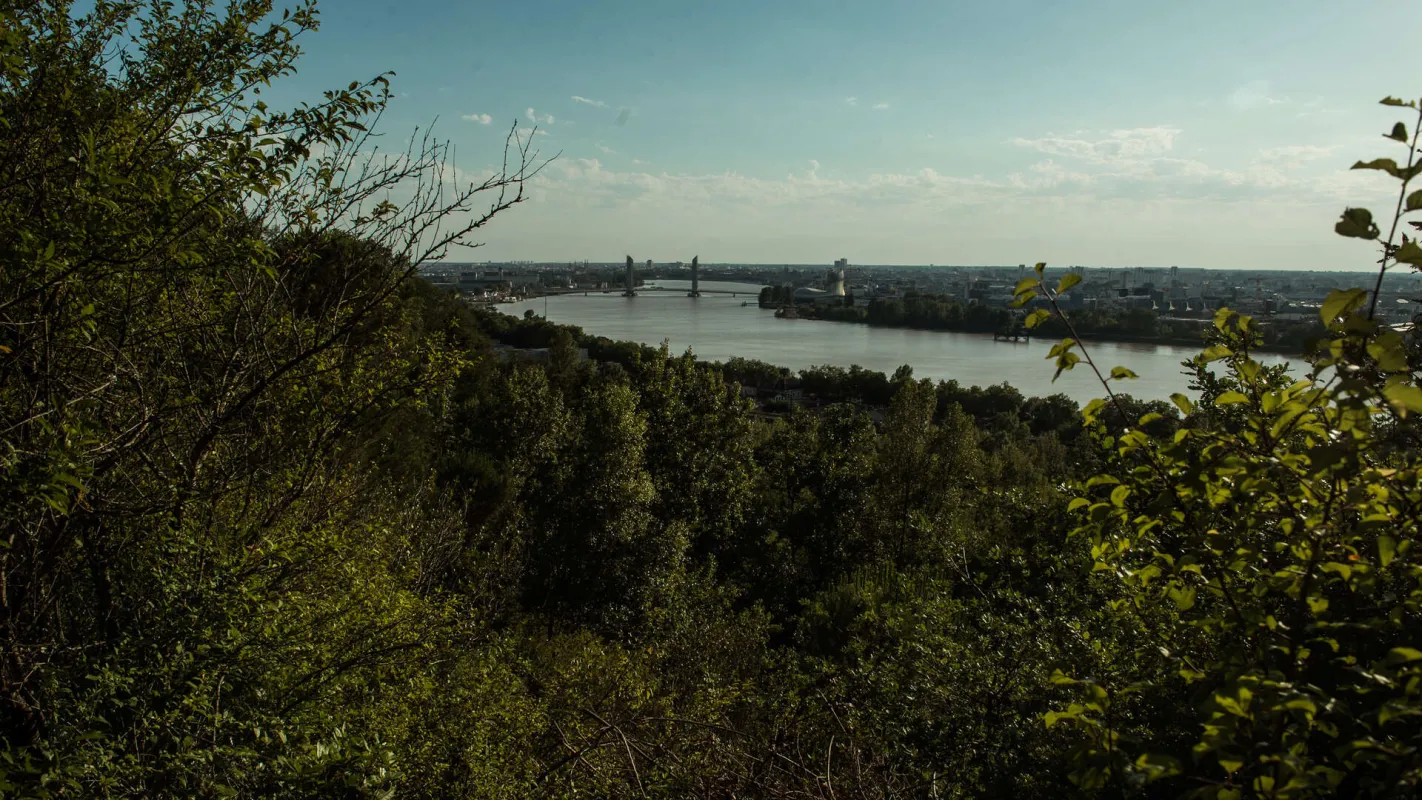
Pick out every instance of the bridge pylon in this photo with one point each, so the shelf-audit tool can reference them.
(631, 281)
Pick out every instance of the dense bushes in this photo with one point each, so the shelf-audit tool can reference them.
(278, 521)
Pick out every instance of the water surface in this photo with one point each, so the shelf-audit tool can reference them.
(717, 327)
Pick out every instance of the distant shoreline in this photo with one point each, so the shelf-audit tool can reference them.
(1175, 341)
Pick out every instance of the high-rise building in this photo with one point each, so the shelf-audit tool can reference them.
(695, 284)
(631, 280)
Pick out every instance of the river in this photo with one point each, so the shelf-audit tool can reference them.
(717, 327)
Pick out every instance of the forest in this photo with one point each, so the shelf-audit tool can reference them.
(928, 311)
(280, 519)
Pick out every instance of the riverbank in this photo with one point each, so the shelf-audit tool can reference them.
(1291, 349)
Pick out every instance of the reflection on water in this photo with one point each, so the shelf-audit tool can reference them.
(717, 326)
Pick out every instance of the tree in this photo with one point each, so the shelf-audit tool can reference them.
(197, 316)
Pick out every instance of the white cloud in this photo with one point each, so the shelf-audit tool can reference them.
(1047, 175)
(608, 150)
(589, 101)
(482, 119)
(1094, 197)
(1117, 145)
(880, 106)
(1295, 155)
(854, 101)
(1254, 94)
(533, 116)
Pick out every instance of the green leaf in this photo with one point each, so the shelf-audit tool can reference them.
(1158, 766)
(1216, 352)
(1121, 373)
(1184, 597)
(1230, 398)
(1023, 285)
(1119, 495)
(1036, 317)
(1414, 201)
(1040, 268)
(1356, 223)
(1403, 655)
(1399, 133)
(1390, 351)
(1381, 164)
(1339, 302)
(1093, 409)
(1023, 299)
(1183, 403)
(1387, 550)
(1394, 101)
(1068, 280)
(1404, 398)
(1409, 253)
(1078, 502)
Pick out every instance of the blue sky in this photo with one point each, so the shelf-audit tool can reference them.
(1101, 132)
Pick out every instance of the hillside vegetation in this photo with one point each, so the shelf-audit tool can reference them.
(276, 520)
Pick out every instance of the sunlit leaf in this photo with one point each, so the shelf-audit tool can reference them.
(1405, 398)
(1230, 398)
(1216, 352)
(1403, 655)
(1183, 403)
(1119, 495)
(1122, 373)
(1036, 318)
(1068, 280)
(1341, 301)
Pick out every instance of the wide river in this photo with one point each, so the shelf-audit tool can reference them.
(718, 326)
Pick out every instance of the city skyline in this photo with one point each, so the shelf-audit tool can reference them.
(1215, 135)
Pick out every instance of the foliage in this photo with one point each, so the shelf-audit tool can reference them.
(1272, 542)
(280, 519)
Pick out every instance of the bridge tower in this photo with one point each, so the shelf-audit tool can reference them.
(631, 283)
(695, 284)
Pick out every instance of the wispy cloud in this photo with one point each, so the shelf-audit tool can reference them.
(608, 150)
(854, 101)
(482, 119)
(880, 106)
(1254, 94)
(534, 116)
(1116, 145)
(589, 101)
(526, 134)
(1296, 153)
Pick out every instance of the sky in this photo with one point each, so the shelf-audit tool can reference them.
(1097, 132)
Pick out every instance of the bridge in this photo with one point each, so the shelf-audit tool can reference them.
(632, 290)
(662, 290)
